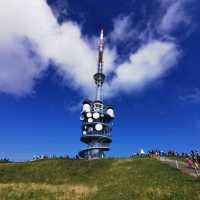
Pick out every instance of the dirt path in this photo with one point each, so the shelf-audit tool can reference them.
(181, 166)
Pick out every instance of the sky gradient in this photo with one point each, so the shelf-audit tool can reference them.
(48, 53)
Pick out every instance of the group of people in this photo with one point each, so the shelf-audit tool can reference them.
(41, 157)
(194, 155)
(193, 161)
(157, 152)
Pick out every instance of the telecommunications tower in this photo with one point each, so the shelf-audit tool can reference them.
(96, 117)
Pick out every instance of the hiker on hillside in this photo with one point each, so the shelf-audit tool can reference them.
(189, 163)
(198, 158)
(196, 167)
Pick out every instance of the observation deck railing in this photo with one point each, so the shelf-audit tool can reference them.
(98, 133)
(98, 146)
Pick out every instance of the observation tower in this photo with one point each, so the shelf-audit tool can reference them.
(96, 117)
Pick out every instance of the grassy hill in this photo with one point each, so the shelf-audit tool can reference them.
(106, 179)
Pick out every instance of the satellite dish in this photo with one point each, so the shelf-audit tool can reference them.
(98, 127)
(90, 120)
(89, 114)
(110, 112)
(86, 107)
(84, 132)
(90, 129)
(96, 115)
(81, 117)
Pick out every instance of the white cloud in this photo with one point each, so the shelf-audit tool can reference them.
(74, 55)
(192, 97)
(148, 63)
(18, 71)
(174, 16)
(63, 44)
(121, 29)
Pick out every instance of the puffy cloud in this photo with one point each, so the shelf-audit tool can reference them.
(192, 97)
(74, 56)
(121, 29)
(148, 63)
(18, 69)
(62, 44)
(22, 21)
(175, 15)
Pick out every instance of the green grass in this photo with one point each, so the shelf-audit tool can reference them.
(105, 179)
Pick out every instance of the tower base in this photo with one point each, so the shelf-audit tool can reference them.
(92, 153)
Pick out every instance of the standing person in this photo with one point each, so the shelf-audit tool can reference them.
(189, 163)
(196, 167)
(198, 158)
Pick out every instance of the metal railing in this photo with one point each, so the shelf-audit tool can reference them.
(95, 147)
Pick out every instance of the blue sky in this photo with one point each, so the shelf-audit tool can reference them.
(48, 54)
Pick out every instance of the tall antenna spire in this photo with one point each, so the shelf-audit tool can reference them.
(101, 48)
(99, 77)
